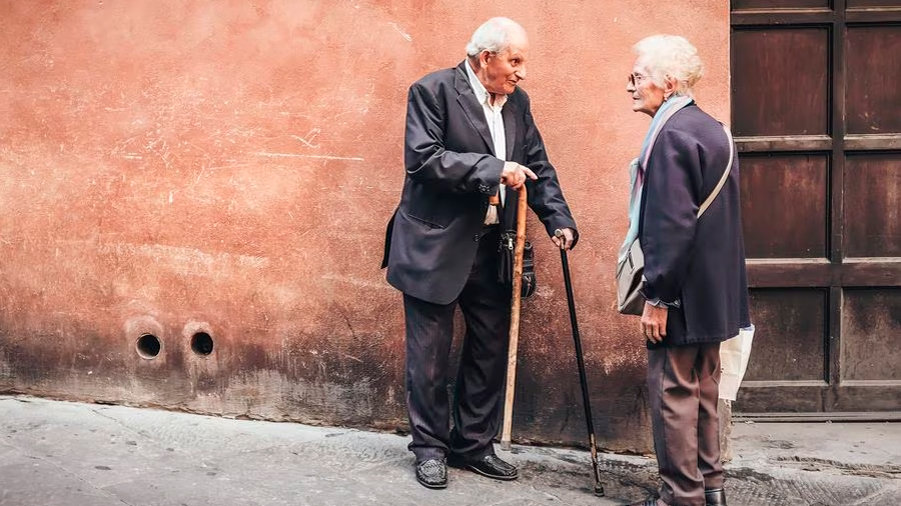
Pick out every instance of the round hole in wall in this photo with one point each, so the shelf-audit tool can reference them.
(202, 343)
(148, 346)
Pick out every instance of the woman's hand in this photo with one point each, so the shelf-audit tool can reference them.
(653, 322)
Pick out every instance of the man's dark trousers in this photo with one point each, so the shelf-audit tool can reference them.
(485, 305)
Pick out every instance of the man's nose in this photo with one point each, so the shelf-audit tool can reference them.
(521, 72)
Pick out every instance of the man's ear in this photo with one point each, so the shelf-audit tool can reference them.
(484, 56)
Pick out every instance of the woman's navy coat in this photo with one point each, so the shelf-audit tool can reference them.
(698, 261)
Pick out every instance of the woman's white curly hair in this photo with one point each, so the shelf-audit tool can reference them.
(673, 57)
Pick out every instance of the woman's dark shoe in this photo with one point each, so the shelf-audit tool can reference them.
(432, 473)
(490, 466)
(715, 497)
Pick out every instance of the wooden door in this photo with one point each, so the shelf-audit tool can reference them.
(816, 112)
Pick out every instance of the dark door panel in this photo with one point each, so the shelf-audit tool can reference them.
(778, 4)
(859, 4)
(792, 347)
(785, 201)
(873, 92)
(872, 326)
(873, 224)
(780, 81)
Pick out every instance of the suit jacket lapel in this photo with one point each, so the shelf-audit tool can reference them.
(508, 216)
(471, 107)
(509, 127)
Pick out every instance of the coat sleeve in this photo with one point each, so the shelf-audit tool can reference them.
(669, 214)
(428, 161)
(545, 194)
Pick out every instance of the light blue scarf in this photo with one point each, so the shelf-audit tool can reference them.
(638, 166)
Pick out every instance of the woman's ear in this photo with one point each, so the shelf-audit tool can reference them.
(669, 87)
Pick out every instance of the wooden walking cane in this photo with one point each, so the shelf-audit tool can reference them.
(514, 317)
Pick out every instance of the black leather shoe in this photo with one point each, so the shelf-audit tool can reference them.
(432, 473)
(715, 497)
(490, 466)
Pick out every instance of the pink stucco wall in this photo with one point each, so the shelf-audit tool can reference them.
(228, 167)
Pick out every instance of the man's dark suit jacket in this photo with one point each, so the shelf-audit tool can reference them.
(451, 171)
(700, 261)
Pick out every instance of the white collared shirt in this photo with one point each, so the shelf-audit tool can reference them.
(495, 120)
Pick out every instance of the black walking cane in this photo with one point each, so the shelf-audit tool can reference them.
(598, 488)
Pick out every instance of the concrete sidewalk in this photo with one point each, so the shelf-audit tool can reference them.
(61, 453)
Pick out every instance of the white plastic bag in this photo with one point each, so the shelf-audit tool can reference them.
(734, 355)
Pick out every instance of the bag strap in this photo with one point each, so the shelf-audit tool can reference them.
(719, 186)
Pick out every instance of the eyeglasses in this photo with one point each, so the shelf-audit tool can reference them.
(636, 79)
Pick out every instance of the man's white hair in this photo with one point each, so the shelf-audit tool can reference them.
(670, 56)
(493, 36)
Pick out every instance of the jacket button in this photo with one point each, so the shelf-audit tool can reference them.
(475, 238)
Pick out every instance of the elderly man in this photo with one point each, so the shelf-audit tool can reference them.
(469, 136)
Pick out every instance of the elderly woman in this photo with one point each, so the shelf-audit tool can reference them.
(695, 288)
